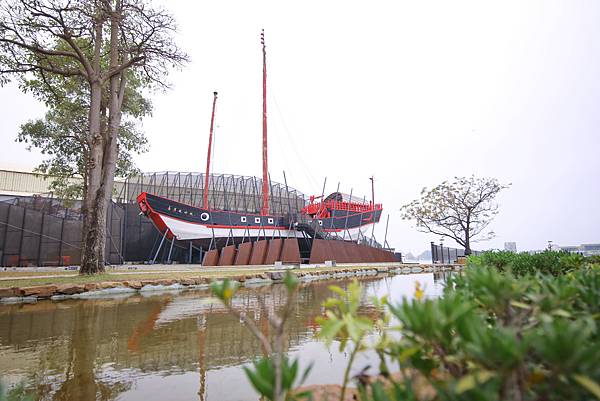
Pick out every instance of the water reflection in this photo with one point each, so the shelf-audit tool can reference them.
(166, 346)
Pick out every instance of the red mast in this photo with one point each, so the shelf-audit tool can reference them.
(265, 188)
(212, 122)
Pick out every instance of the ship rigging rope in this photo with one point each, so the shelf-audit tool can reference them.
(303, 165)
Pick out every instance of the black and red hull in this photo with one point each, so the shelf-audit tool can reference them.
(184, 222)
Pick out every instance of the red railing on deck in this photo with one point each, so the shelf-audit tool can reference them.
(320, 207)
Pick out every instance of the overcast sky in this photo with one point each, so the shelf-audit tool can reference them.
(411, 92)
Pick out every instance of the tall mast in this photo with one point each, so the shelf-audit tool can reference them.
(210, 137)
(265, 188)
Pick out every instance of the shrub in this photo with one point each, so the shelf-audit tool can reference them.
(520, 264)
(495, 335)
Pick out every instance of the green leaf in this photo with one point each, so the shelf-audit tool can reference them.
(291, 281)
(469, 382)
(588, 384)
(330, 329)
(562, 313)
(407, 353)
(378, 392)
(306, 373)
(521, 305)
(224, 290)
(337, 290)
(261, 385)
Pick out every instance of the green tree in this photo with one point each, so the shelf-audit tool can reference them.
(461, 209)
(61, 134)
(99, 42)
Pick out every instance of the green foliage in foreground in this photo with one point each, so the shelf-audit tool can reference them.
(496, 336)
(547, 262)
(262, 376)
(510, 327)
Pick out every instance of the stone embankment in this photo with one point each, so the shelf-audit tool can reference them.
(90, 290)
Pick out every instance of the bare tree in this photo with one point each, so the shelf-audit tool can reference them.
(75, 38)
(461, 209)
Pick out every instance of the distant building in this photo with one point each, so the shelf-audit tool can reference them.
(583, 249)
(510, 246)
(590, 249)
(570, 249)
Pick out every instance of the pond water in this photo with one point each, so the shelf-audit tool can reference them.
(169, 346)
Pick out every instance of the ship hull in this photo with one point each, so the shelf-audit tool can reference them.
(184, 222)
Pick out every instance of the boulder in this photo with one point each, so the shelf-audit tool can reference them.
(40, 291)
(329, 392)
(187, 281)
(90, 287)
(275, 276)
(70, 289)
(201, 280)
(109, 284)
(136, 285)
(9, 292)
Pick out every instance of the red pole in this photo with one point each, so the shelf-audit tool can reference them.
(212, 122)
(265, 188)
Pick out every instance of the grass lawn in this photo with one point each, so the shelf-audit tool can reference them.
(26, 279)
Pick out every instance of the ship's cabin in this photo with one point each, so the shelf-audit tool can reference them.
(338, 201)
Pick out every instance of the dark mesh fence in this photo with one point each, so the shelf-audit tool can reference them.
(34, 234)
(140, 236)
(444, 254)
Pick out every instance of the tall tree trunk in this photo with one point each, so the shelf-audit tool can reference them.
(91, 261)
(115, 101)
(468, 235)
(104, 156)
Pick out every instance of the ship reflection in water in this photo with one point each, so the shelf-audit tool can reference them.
(168, 346)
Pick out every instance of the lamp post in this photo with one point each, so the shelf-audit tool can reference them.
(442, 248)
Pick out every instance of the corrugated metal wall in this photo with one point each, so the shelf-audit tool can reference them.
(21, 182)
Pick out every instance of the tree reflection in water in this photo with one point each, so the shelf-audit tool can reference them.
(99, 349)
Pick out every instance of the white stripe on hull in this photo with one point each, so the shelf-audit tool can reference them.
(184, 230)
(188, 231)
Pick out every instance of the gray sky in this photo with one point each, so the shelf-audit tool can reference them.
(412, 92)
